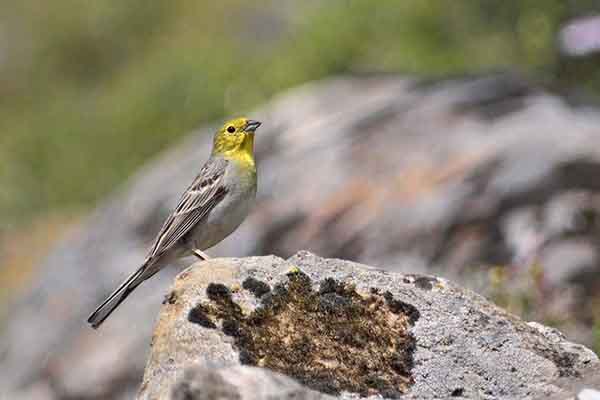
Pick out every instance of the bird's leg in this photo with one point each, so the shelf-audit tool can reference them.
(201, 255)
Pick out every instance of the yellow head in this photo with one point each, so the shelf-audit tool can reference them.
(236, 138)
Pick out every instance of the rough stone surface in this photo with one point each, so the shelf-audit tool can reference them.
(584, 388)
(238, 383)
(448, 178)
(454, 343)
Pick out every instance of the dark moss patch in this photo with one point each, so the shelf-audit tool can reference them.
(218, 292)
(258, 288)
(331, 339)
(564, 361)
(399, 307)
(231, 327)
(170, 298)
(335, 304)
(328, 285)
(280, 290)
(247, 358)
(425, 282)
(199, 315)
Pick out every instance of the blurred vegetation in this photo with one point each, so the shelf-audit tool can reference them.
(91, 90)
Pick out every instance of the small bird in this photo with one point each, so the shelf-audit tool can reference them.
(214, 205)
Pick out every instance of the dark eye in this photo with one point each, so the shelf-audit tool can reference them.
(230, 129)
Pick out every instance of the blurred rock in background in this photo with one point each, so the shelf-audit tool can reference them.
(488, 181)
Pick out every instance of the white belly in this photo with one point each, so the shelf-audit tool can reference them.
(224, 218)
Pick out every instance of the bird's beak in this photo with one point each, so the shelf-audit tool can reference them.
(252, 125)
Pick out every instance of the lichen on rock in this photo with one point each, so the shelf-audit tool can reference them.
(331, 339)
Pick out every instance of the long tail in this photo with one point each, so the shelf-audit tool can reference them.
(116, 298)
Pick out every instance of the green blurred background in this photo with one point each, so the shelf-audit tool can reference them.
(90, 90)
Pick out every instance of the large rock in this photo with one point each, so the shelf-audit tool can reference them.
(445, 177)
(347, 329)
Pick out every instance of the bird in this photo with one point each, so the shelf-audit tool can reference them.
(213, 206)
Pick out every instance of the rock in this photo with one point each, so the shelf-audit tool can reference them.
(429, 177)
(349, 330)
(238, 383)
(583, 388)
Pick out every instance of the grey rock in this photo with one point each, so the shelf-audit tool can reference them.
(238, 383)
(586, 386)
(581, 253)
(455, 343)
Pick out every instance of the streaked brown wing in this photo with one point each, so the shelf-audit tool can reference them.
(205, 192)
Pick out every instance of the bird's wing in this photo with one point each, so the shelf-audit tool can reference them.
(205, 192)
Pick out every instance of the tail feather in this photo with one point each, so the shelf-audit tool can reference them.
(116, 298)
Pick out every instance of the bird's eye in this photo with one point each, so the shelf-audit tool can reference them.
(230, 129)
